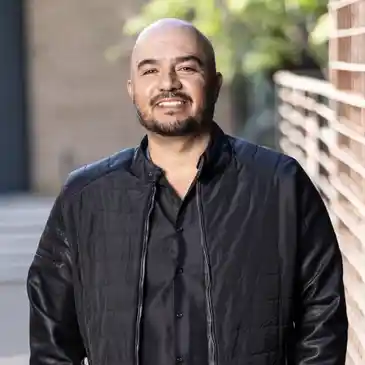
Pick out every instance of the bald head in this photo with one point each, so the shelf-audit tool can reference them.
(177, 28)
(174, 84)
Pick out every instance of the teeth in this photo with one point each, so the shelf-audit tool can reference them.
(170, 103)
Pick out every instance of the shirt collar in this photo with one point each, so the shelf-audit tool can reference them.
(215, 158)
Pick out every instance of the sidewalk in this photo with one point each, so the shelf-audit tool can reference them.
(22, 220)
(14, 324)
(16, 360)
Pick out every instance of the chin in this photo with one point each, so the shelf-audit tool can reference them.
(173, 127)
(170, 116)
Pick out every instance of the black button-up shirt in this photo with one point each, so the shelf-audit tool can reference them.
(174, 320)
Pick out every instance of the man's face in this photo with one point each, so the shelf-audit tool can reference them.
(174, 86)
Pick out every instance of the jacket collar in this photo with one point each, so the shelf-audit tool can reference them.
(214, 160)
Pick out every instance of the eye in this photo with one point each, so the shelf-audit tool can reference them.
(149, 71)
(187, 69)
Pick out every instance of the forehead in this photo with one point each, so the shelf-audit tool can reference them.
(167, 44)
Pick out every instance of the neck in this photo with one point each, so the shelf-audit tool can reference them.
(170, 153)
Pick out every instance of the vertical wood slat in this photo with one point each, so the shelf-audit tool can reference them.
(322, 124)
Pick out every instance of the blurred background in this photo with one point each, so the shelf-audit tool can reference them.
(294, 81)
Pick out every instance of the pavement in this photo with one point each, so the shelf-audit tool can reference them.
(22, 219)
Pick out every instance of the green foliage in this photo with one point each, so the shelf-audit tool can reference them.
(248, 35)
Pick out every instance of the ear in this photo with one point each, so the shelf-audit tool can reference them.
(218, 85)
(130, 88)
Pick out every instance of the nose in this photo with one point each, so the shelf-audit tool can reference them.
(169, 81)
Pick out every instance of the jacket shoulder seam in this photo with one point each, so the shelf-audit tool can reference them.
(81, 178)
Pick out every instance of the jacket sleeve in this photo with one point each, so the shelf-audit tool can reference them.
(54, 332)
(320, 319)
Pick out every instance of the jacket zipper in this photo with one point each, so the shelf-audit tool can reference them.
(212, 345)
(146, 232)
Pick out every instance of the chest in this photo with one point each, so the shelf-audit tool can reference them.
(239, 236)
(181, 181)
(174, 240)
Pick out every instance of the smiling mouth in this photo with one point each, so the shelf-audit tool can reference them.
(171, 103)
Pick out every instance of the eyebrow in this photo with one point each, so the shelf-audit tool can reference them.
(152, 61)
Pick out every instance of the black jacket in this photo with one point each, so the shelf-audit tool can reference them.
(273, 271)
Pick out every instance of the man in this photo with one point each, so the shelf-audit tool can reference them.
(195, 247)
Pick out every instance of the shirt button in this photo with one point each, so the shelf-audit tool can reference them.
(179, 315)
(179, 360)
(179, 229)
(180, 270)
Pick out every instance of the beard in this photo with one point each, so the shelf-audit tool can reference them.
(175, 128)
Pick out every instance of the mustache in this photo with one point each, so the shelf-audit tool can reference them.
(168, 95)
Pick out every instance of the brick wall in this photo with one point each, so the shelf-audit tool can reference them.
(80, 110)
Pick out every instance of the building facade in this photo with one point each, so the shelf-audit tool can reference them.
(322, 124)
(77, 108)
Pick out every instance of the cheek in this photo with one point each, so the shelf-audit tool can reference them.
(141, 101)
(200, 99)
(197, 90)
(142, 93)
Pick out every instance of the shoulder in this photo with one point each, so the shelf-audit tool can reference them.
(276, 170)
(273, 168)
(264, 161)
(85, 175)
